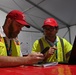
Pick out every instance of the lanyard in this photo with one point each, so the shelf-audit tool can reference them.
(10, 50)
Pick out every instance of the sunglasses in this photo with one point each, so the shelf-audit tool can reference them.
(50, 28)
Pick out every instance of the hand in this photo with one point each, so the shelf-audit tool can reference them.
(34, 58)
(50, 52)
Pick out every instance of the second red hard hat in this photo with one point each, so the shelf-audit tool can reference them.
(50, 22)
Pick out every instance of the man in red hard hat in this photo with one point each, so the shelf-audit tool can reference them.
(10, 54)
(58, 51)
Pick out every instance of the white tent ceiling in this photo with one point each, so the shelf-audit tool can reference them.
(37, 10)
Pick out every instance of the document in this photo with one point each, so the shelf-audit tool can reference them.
(46, 64)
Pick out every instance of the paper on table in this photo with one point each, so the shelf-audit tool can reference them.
(47, 64)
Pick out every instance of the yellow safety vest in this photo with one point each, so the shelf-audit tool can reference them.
(67, 48)
(15, 47)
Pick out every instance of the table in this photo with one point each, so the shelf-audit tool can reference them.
(32, 70)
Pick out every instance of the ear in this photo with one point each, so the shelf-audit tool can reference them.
(9, 20)
(57, 31)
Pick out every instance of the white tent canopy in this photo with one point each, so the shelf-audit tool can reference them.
(37, 10)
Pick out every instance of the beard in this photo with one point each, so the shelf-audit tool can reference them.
(11, 32)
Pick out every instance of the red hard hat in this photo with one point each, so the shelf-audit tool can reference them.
(50, 22)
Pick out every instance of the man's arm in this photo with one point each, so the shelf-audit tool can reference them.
(8, 61)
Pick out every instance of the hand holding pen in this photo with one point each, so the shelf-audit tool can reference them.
(51, 51)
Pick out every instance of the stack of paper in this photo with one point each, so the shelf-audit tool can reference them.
(47, 64)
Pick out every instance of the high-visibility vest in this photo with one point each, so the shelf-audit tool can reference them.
(15, 48)
(67, 48)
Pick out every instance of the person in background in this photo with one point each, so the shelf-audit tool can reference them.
(59, 48)
(10, 54)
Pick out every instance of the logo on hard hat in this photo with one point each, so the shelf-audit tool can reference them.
(23, 16)
(48, 20)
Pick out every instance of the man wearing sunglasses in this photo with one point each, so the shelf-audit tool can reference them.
(59, 48)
